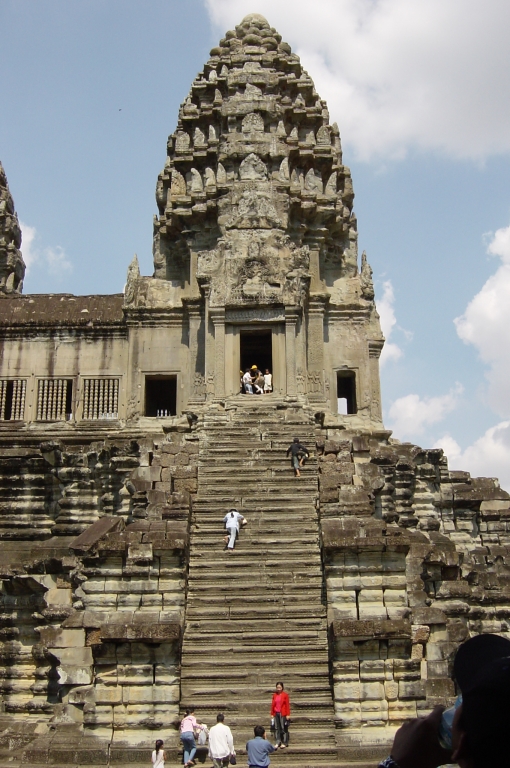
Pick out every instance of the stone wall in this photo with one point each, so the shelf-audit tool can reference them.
(91, 625)
(414, 561)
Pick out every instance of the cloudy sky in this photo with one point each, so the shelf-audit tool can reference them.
(421, 92)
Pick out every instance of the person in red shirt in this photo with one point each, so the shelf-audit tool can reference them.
(280, 714)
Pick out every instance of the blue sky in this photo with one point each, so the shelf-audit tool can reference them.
(421, 93)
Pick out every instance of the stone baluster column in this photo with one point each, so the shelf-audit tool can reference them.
(218, 318)
(291, 318)
(316, 310)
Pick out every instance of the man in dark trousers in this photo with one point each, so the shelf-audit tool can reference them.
(298, 453)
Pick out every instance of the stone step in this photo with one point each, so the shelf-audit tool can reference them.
(258, 541)
(237, 569)
(265, 612)
(197, 639)
(246, 593)
(289, 658)
(237, 667)
(313, 709)
(239, 604)
(278, 507)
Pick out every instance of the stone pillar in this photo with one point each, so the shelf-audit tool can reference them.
(374, 352)
(196, 352)
(316, 347)
(218, 318)
(291, 318)
(209, 363)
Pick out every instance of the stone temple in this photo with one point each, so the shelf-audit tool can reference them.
(124, 439)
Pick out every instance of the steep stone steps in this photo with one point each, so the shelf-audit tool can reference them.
(256, 615)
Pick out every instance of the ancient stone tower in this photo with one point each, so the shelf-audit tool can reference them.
(124, 439)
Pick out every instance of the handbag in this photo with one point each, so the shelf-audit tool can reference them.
(202, 738)
(232, 760)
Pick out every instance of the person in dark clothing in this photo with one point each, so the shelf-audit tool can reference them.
(298, 453)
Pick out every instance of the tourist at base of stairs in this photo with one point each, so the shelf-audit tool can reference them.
(188, 727)
(280, 715)
(259, 749)
(298, 454)
(221, 743)
(232, 520)
(158, 755)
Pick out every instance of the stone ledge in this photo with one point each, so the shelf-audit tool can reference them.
(140, 632)
(383, 629)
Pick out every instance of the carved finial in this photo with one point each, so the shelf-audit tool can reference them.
(133, 269)
(12, 266)
(133, 274)
(367, 285)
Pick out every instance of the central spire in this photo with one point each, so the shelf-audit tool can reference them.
(253, 151)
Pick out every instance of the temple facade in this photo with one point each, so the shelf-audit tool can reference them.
(255, 261)
(125, 438)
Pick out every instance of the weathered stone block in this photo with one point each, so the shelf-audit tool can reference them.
(189, 485)
(415, 689)
(62, 638)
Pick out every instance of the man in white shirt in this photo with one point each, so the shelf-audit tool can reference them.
(247, 382)
(231, 521)
(221, 743)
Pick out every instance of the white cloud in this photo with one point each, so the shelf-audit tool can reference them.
(427, 74)
(489, 456)
(27, 245)
(409, 416)
(391, 351)
(51, 259)
(57, 260)
(486, 324)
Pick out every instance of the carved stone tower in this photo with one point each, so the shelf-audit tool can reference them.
(256, 237)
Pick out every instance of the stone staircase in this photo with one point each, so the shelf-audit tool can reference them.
(257, 615)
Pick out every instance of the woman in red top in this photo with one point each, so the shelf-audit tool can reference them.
(280, 713)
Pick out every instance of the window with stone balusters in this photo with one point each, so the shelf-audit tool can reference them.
(54, 400)
(100, 398)
(12, 399)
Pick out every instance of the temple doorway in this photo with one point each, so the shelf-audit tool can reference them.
(256, 349)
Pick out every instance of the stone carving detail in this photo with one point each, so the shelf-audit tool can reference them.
(198, 138)
(258, 314)
(133, 274)
(197, 184)
(199, 387)
(284, 170)
(182, 142)
(221, 175)
(253, 122)
(323, 136)
(252, 169)
(178, 184)
(367, 285)
(313, 182)
(255, 271)
(12, 266)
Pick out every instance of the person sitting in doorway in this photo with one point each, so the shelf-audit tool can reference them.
(268, 382)
(259, 384)
(248, 388)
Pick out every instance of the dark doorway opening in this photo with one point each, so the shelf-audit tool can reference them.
(346, 392)
(256, 349)
(160, 395)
